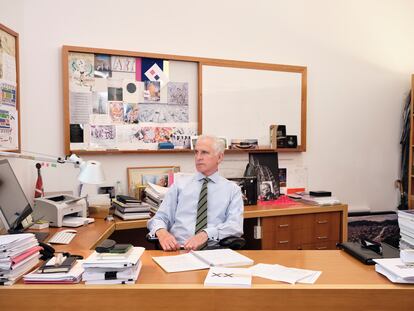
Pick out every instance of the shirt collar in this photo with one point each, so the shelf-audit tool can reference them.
(214, 177)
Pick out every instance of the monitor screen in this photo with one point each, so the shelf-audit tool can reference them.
(14, 206)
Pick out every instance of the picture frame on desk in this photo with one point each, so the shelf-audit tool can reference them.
(138, 177)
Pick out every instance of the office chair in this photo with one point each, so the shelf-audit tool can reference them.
(232, 242)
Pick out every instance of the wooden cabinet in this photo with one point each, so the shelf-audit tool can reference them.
(303, 227)
(309, 231)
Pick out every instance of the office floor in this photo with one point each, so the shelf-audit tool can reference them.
(377, 227)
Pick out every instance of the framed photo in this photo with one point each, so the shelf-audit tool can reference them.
(139, 177)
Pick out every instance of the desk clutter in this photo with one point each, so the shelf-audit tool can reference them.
(19, 253)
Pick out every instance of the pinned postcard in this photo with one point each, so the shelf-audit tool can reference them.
(131, 90)
(123, 64)
(130, 113)
(152, 91)
(102, 66)
(81, 72)
(103, 135)
(116, 111)
(100, 103)
(155, 73)
(8, 94)
(8, 129)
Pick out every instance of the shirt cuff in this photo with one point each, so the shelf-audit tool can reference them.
(212, 233)
(155, 229)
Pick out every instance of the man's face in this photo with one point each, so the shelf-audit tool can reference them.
(206, 160)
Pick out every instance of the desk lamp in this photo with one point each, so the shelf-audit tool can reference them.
(90, 171)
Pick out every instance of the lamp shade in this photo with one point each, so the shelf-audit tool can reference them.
(91, 173)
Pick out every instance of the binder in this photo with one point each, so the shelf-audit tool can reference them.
(366, 255)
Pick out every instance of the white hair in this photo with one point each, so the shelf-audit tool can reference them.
(218, 143)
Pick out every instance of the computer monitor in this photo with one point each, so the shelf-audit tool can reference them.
(14, 206)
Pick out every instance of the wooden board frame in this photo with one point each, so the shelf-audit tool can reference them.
(16, 38)
(201, 62)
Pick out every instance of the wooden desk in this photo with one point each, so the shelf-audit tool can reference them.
(345, 284)
(296, 226)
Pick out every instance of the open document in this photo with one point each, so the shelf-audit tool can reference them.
(197, 260)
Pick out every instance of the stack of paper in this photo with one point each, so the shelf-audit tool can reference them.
(406, 224)
(197, 260)
(154, 195)
(395, 270)
(113, 270)
(285, 274)
(309, 199)
(39, 277)
(233, 277)
(19, 253)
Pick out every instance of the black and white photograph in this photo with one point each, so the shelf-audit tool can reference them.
(100, 103)
(266, 167)
(266, 191)
(114, 93)
(102, 66)
(177, 93)
(162, 113)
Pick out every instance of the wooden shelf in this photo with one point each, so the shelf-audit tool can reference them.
(228, 151)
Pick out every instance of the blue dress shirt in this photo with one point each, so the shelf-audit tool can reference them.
(178, 211)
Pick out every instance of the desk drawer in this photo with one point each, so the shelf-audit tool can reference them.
(319, 246)
(326, 227)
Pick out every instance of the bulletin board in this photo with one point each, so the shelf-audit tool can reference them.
(9, 90)
(129, 102)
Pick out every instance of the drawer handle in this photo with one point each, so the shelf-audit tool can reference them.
(322, 247)
(283, 225)
(321, 222)
(322, 237)
(284, 242)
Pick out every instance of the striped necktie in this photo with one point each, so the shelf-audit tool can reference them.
(201, 222)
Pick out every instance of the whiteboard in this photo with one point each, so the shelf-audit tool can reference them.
(239, 103)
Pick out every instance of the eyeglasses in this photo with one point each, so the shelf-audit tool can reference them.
(371, 245)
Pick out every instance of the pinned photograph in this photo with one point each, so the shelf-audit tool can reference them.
(115, 94)
(100, 103)
(102, 66)
(152, 91)
(131, 113)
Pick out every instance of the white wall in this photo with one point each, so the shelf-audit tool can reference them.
(359, 54)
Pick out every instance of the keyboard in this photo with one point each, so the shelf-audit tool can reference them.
(62, 237)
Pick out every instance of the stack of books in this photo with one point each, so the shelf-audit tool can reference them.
(154, 195)
(406, 224)
(19, 253)
(129, 208)
(57, 270)
(113, 268)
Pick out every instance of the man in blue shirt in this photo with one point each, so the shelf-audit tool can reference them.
(175, 222)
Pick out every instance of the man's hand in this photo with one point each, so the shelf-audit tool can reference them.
(196, 241)
(167, 240)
